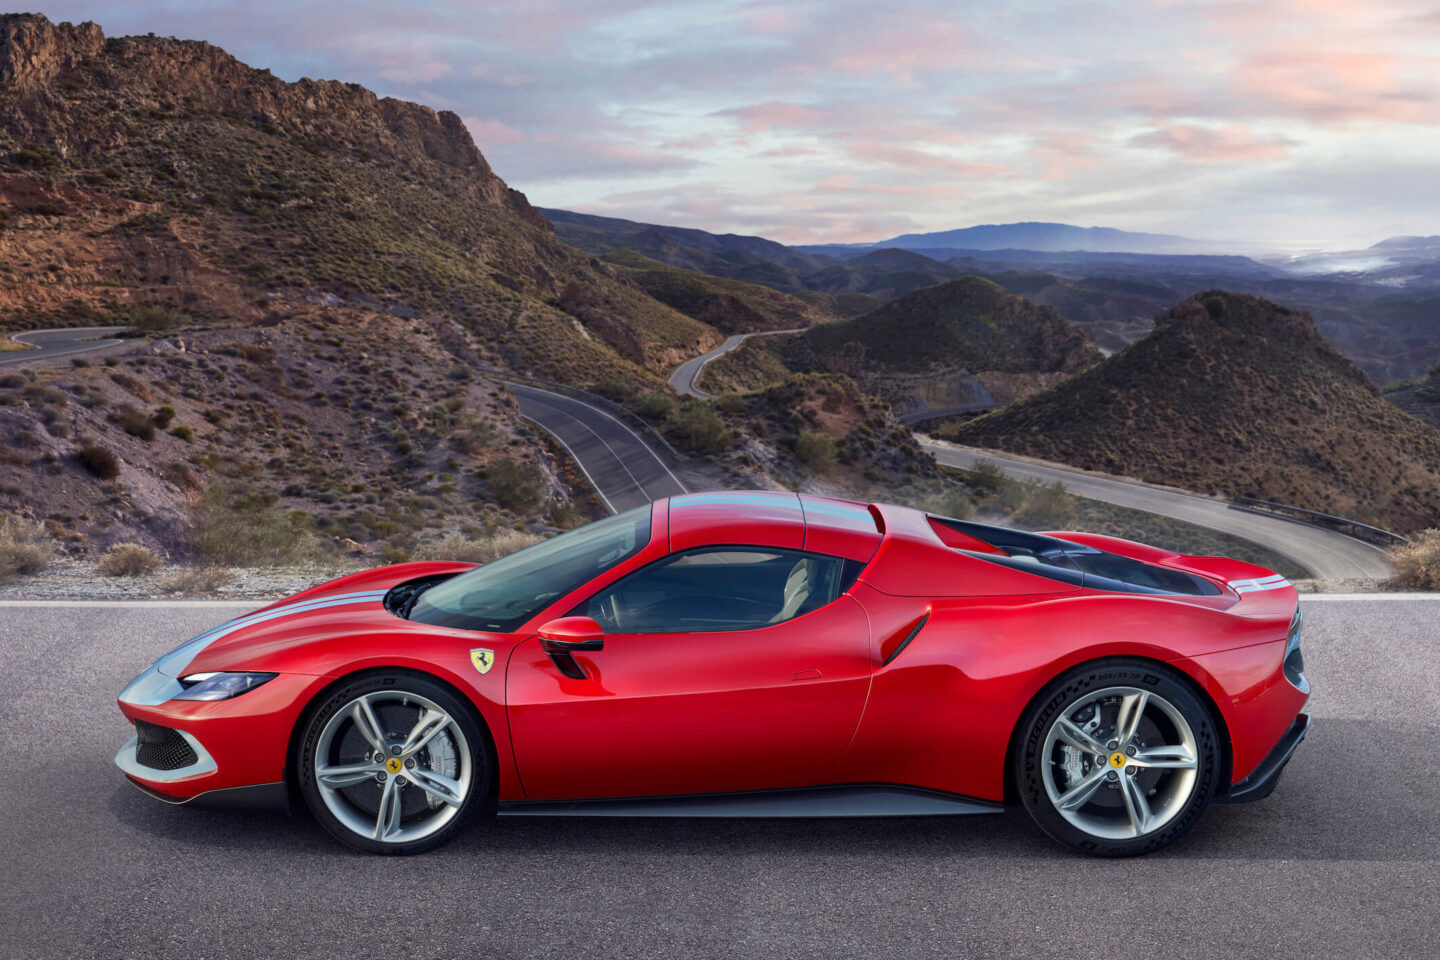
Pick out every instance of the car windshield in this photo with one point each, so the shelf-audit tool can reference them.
(502, 595)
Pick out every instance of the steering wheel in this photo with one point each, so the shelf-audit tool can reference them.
(607, 613)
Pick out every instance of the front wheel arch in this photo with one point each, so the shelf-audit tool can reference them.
(1011, 795)
(297, 732)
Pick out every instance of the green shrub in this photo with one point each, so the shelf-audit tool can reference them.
(1417, 564)
(135, 423)
(98, 460)
(156, 318)
(163, 417)
(731, 404)
(25, 549)
(702, 428)
(517, 486)
(239, 530)
(655, 406)
(987, 477)
(817, 450)
(128, 560)
(956, 505)
(1045, 505)
(184, 433)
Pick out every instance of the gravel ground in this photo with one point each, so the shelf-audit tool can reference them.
(78, 580)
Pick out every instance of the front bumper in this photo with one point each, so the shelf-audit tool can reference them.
(1261, 782)
(238, 745)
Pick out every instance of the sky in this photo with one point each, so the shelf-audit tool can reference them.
(1298, 124)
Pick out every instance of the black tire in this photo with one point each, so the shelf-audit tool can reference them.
(1071, 689)
(395, 683)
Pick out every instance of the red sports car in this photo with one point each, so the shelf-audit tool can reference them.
(746, 654)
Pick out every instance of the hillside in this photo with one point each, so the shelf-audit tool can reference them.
(752, 259)
(326, 281)
(953, 344)
(730, 306)
(1237, 395)
(146, 170)
(1419, 397)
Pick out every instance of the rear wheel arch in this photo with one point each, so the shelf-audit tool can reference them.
(1011, 794)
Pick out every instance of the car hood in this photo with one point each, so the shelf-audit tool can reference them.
(338, 607)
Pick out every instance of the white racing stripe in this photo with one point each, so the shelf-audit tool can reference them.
(1272, 582)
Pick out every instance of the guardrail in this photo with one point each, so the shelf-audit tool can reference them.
(1356, 529)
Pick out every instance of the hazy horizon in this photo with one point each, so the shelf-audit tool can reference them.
(1293, 124)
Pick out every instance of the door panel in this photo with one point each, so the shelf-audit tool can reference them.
(678, 713)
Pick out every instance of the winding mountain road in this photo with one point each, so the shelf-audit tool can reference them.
(624, 470)
(50, 344)
(688, 373)
(1325, 553)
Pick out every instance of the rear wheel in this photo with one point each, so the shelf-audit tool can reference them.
(1117, 758)
(393, 763)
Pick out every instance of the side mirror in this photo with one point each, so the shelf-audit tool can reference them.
(573, 633)
(561, 638)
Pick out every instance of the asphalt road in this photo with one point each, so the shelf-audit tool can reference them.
(619, 464)
(685, 375)
(1327, 554)
(1340, 862)
(50, 344)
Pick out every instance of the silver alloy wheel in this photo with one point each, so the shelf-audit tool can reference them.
(430, 755)
(1125, 741)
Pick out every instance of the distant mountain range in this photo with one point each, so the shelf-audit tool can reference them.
(1051, 237)
(1377, 306)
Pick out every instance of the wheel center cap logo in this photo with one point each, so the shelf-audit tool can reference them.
(394, 765)
(1117, 760)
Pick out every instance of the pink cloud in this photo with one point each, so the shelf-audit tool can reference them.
(759, 117)
(427, 72)
(486, 132)
(909, 158)
(1336, 87)
(1229, 144)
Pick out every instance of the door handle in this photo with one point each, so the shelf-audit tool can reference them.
(806, 675)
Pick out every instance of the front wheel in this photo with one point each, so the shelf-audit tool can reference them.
(1117, 758)
(393, 763)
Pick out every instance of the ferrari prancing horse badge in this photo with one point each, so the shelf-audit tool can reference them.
(483, 659)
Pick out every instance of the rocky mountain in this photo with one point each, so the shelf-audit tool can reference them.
(965, 344)
(328, 283)
(1235, 394)
(753, 259)
(730, 306)
(181, 176)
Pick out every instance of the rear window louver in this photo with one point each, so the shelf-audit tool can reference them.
(1077, 564)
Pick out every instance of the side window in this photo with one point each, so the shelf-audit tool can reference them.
(719, 588)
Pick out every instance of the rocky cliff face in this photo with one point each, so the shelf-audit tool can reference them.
(46, 68)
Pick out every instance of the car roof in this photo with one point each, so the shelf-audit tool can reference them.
(771, 518)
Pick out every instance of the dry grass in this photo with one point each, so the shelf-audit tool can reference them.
(25, 549)
(463, 549)
(1417, 564)
(128, 560)
(197, 581)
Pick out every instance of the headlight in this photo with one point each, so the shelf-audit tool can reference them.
(220, 686)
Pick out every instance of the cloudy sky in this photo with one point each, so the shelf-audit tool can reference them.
(1310, 123)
